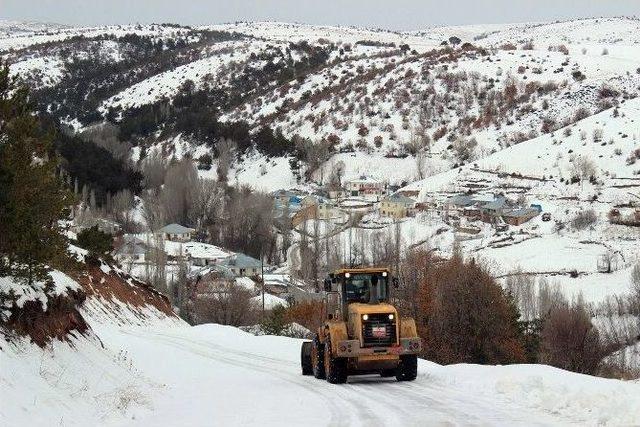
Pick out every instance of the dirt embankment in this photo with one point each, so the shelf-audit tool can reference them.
(61, 317)
(60, 320)
(103, 281)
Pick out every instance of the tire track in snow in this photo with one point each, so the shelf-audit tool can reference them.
(366, 401)
(339, 415)
(365, 414)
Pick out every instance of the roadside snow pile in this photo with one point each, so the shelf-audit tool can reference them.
(77, 383)
(293, 330)
(573, 397)
(270, 301)
(74, 379)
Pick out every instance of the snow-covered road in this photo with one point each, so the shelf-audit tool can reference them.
(216, 375)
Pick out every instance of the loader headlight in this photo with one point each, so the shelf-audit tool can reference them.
(391, 316)
(365, 317)
(384, 274)
(347, 275)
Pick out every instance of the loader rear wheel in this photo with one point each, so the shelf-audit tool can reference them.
(317, 358)
(386, 373)
(305, 358)
(407, 368)
(335, 368)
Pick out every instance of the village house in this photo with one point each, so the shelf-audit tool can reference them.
(204, 254)
(327, 209)
(242, 265)
(492, 209)
(209, 282)
(131, 250)
(519, 216)
(319, 207)
(397, 206)
(337, 194)
(365, 186)
(490, 212)
(409, 193)
(176, 233)
(461, 201)
(287, 197)
(105, 225)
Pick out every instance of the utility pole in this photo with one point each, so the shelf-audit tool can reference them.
(262, 278)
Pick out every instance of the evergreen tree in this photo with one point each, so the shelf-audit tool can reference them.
(32, 198)
(97, 242)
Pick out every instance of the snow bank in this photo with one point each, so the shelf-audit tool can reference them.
(21, 293)
(573, 397)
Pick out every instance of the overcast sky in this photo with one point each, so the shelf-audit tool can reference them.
(392, 14)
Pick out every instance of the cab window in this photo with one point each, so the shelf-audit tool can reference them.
(360, 287)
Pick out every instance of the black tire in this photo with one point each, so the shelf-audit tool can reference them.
(305, 358)
(386, 373)
(335, 368)
(407, 368)
(317, 358)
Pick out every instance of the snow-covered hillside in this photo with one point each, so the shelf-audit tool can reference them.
(383, 94)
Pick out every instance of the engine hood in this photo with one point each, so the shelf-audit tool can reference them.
(360, 308)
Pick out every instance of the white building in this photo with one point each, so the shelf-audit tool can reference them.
(365, 186)
(203, 254)
(176, 233)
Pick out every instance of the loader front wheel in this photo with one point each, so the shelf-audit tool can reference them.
(305, 358)
(335, 368)
(317, 358)
(407, 368)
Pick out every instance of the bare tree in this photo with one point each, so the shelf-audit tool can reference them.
(122, 204)
(522, 288)
(314, 154)
(336, 174)
(156, 264)
(635, 291)
(226, 149)
(180, 190)
(230, 305)
(153, 211)
(549, 297)
(570, 341)
(154, 170)
(421, 163)
(207, 204)
(464, 150)
(582, 168)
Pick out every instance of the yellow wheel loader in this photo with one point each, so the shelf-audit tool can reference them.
(361, 332)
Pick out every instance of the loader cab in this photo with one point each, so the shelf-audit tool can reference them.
(365, 286)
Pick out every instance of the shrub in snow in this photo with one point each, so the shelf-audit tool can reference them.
(528, 45)
(597, 135)
(584, 219)
(578, 76)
